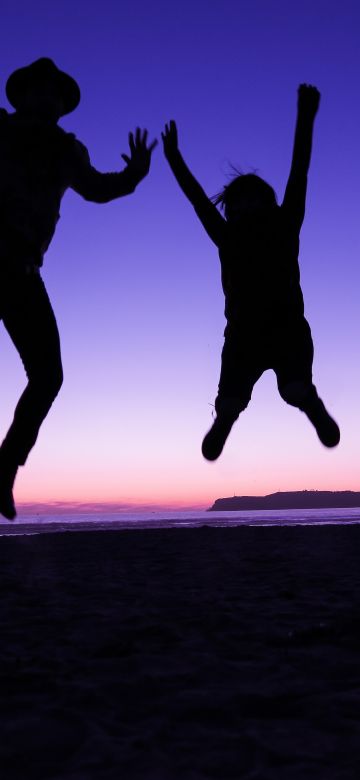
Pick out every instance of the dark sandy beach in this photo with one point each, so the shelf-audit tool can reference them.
(198, 653)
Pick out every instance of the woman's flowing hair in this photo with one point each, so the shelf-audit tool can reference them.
(244, 184)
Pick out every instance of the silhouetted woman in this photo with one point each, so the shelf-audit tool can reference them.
(258, 244)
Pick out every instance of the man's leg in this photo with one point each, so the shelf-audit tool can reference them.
(237, 378)
(30, 322)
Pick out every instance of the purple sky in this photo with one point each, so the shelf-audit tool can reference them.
(136, 284)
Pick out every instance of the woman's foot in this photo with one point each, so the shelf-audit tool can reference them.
(215, 439)
(326, 428)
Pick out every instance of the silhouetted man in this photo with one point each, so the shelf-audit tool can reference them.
(258, 244)
(38, 162)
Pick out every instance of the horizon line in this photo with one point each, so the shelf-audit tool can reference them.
(87, 507)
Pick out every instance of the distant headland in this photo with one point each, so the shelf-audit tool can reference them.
(295, 499)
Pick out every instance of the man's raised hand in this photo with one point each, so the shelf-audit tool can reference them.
(140, 153)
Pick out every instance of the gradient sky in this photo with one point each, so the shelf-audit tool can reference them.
(135, 284)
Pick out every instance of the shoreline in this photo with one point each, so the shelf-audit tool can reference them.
(63, 526)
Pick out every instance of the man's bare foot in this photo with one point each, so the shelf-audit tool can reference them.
(7, 479)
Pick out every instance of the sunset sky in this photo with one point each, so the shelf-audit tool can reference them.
(135, 284)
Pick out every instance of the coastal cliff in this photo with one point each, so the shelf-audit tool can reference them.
(301, 499)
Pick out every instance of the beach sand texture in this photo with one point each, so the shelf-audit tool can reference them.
(181, 654)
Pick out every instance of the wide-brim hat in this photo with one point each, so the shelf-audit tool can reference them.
(44, 68)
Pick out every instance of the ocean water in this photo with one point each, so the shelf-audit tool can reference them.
(111, 521)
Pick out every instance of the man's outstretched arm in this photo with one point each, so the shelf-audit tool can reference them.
(295, 193)
(103, 187)
(208, 214)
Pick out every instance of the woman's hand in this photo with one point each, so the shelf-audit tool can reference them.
(308, 99)
(170, 139)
